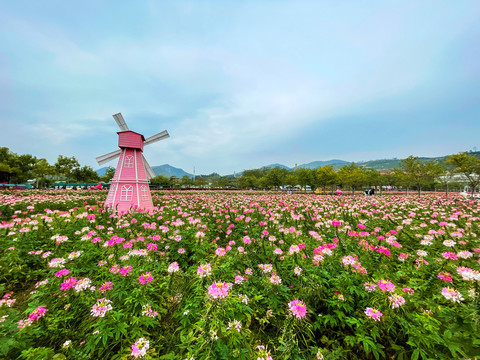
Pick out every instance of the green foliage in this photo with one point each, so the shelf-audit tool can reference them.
(253, 320)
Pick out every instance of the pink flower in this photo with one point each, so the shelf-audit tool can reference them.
(220, 252)
(369, 287)
(62, 272)
(145, 278)
(106, 286)
(37, 313)
(219, 290)
(101, 307)
(452, 294)
(140, 347)
(147, 311)
(446, 276)
(246, 240)
(173, 267)
(396, 301)
(298, 308)
(275, 279)
(204, 270)
(373, 313)
(386, 285)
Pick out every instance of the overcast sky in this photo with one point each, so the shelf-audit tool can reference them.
(241, 84)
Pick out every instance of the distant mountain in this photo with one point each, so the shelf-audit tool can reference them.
(316, 164)
(168, 170)
(165, 170)
(382, 164)
(101, 171)
(271, 166)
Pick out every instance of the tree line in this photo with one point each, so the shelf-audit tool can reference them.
(412, 174)
(18, 169)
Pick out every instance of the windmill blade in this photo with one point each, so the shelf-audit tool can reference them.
(108, 157)
(121, 122)
(157, 137)
(148, 169)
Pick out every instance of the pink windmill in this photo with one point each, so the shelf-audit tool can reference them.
(129, 186)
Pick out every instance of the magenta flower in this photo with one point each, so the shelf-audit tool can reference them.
(37, 313)
(126, 270)
(68, 283)
(386, 285)
(336, 223)
(145, 278)
(298, 308)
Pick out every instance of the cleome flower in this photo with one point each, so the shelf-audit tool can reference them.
(219, 290)
(101, 307)
(452, 294)
(298, 308)
(373, 313)
(140, 347)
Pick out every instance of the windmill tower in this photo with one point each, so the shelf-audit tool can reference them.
(129, 186)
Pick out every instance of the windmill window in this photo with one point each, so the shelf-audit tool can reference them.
(145, 195)
(126, 193)
(128, 162)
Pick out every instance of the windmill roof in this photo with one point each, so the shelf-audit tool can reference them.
(120, 132)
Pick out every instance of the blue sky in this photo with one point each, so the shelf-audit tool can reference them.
(241, 84)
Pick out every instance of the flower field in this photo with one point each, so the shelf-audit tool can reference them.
(240, 275)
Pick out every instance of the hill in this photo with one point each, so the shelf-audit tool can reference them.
(381, 164)
(316, 164)
(165, 170)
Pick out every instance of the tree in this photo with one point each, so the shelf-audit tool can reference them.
(352, 176)
(187, 181)
(65, 166)
(200, 181)
(161, 180)
(276, 177)
(109, 174)
(85, 174)
(305, 177)
(22, 166)
(224, 181)
(468, 166)
(41, 169)
(6, 164)
(414, 173)
(247, 182)
(325, 175)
